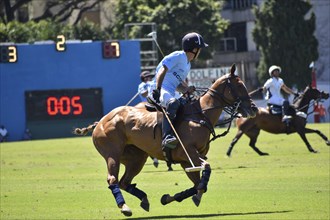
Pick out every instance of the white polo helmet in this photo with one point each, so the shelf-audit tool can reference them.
(272, 68)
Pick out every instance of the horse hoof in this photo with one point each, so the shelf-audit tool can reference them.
(196, 200)
(145, 204)
(163, 200)
(170, 169)
(328, 143)
(264, 154)
(156, 163)
(126, 210)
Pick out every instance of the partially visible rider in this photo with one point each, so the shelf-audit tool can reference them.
(143, 88)
(273, 86)
(171, 73)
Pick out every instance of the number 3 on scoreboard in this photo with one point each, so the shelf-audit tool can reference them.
(60, 43)
(12, 54)
(8, 54)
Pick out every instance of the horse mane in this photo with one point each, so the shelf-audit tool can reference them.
(220, 80)
(297, 102)
(302, 100)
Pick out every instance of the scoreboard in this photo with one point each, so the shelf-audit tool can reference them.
(52, 87)
(9, 53)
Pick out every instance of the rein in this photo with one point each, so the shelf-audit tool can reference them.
(233, 115)
(231, 109)
(308, 105)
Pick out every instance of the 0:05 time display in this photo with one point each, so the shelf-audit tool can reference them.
(63, 104)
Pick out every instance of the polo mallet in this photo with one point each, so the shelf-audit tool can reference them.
(189, 169)
(153, 34)
(254, 91)
(129, 102)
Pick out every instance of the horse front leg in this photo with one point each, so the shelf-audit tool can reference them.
(179, 197)
(200, 186)
(308, 130)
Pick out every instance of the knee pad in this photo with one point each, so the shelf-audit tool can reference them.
(286, 105)
(172, 107)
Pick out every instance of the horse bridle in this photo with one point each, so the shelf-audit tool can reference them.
(308, 105)
(230, 109)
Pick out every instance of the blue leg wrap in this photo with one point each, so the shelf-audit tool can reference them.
(204, 180)
(135, 191)
(117, 194)
(185, 194)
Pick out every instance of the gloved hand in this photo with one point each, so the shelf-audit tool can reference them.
(191, 89)
(260, 89)
(156, 95)
(296, 95)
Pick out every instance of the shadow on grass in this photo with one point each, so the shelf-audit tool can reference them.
(210, 215)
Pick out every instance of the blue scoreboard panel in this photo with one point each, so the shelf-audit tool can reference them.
(53, 87)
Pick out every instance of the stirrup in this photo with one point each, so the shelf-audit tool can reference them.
(170, 142)
(286, 118)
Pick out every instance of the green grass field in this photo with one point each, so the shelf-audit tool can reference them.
(66, 179)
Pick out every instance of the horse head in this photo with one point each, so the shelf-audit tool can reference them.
(309, 94)
(232, 91)
(314, 94)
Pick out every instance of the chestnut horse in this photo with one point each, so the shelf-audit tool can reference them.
(127, 135)
(273, 123)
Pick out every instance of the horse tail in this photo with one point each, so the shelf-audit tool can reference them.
(85, 130)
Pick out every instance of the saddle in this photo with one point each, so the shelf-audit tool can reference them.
(274, 109)
(277, 110)
(187, 111)
(186, 108)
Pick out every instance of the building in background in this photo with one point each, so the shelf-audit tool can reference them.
(237, 46)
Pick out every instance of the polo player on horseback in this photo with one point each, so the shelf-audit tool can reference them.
(171, 73)
(273, 86)
(143, 88)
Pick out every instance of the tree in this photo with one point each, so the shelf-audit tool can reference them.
(59, 10)
(174, 19)
(284, 35)
(32, 31)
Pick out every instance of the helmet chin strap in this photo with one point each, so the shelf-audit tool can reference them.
(195, 53)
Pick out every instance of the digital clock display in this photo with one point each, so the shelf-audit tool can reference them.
(63, 104)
